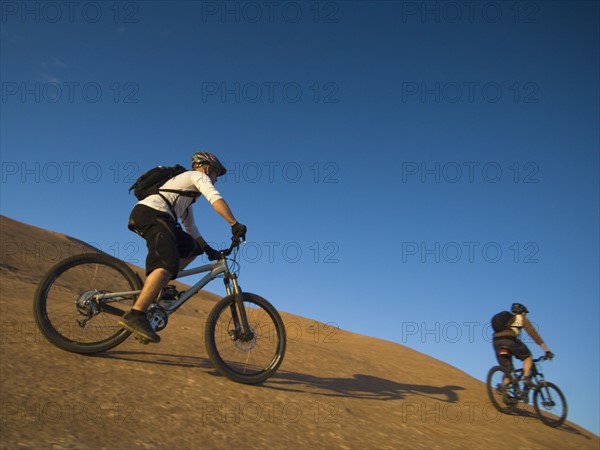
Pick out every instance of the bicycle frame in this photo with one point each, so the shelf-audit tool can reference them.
(214, 270)
(535, 375)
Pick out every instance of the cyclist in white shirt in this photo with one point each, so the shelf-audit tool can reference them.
(170, 248)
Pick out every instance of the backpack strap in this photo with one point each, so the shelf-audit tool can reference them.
(176, 191)
(180, 192)
(170, 205)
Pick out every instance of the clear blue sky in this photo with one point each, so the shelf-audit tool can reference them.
(405, 169)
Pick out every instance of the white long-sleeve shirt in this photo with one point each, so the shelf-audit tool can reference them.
(192, 181)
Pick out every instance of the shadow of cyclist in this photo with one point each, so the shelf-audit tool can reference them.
(360, 386)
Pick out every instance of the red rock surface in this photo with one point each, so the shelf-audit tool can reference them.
(335, 389)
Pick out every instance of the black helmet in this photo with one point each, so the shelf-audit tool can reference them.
(209, 159)
(518, 308)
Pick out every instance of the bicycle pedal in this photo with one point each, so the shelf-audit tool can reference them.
(141, 340)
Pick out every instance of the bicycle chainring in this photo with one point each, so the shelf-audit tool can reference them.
(158, 317)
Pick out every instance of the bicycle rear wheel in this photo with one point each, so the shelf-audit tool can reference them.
(501, 390)
(66, 308)
(550, 404)
(246, 359)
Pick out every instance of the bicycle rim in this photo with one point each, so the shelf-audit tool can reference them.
(247, 361)
(501, 395)
(66, 312)
(550, 404)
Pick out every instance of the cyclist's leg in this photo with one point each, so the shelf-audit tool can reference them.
(188, 247)
(505, 361)
(155, 281)
(162, 264)
(521, 351)
(527, 365)
(170, 249)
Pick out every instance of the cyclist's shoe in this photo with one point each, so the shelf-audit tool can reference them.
(139, 324)
(504, 392)
(527, 385)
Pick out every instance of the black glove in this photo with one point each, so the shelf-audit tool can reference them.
(238, 231)
(211, 253)
(549, 355)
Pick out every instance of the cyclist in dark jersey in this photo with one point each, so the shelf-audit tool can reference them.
(510, 339)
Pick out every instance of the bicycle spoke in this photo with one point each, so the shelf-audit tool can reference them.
(500, 391)
(247, 356)
(550, 404)
(75, 318)
(68, 306)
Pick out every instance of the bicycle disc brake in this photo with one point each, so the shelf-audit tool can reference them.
(244, 342)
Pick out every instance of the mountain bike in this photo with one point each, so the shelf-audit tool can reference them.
(505, 393)
(79, 301)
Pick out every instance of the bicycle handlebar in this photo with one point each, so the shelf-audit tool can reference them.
(235, 242)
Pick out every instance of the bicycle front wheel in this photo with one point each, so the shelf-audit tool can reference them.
(67, 308)
(501, 390)
(550, 404)
(249, 357)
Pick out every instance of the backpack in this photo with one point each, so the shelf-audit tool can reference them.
(150, 182)
(501, 321)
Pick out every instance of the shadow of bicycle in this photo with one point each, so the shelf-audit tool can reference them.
(525, 413)
(164, 359)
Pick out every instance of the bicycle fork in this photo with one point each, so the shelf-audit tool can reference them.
(238, 311)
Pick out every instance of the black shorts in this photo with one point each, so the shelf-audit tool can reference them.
(516, 347)
(165, 239)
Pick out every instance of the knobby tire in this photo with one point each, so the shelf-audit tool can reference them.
(245, 362)
(494, 377)
(553, 416)
(56, 310)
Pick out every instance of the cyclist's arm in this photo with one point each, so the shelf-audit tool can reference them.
(534, 334)
(189, 223)
(222, 208)
(207, 189)
(545, 347)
